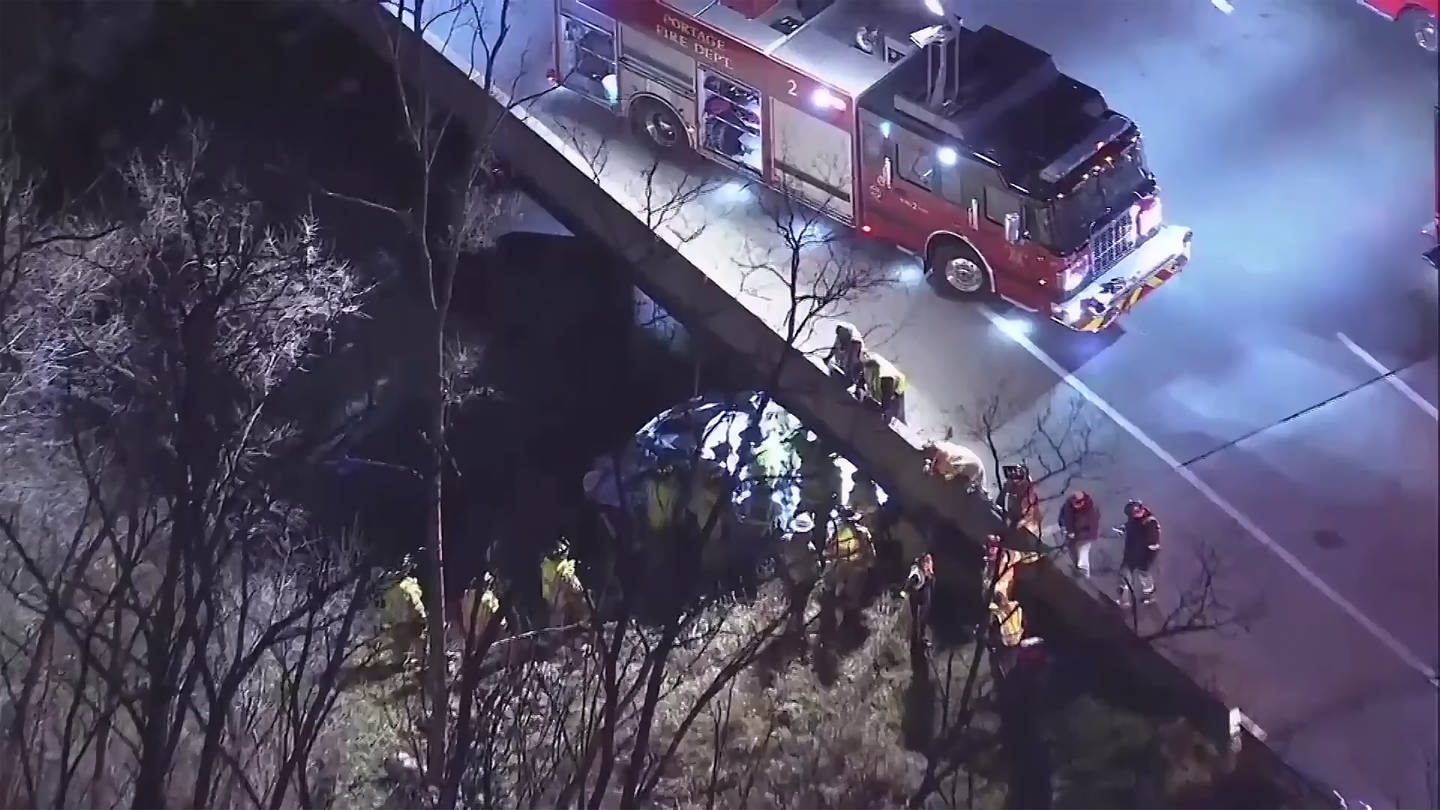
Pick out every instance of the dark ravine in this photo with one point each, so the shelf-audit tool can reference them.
(957, 524)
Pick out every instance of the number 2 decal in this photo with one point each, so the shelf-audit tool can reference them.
(793, 90)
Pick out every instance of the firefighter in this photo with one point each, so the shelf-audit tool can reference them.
(849, 554)
(768, 462)
(662, 498)
(561, 589)
(892, 403)
(1142, 548)
(918, 594)
(800, 569)
(887, 396)
(709, 498)
(864, 498)
(1008, 631)
(1080, 521)
(846, 356)
(1019, 503)
(402, 613)
(953, 462)
(478, 605)
(1000, 566)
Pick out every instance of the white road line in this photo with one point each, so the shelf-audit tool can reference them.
(1251, 528)
(1224, 7)
(1390, 377)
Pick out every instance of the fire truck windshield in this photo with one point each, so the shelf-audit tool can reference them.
(1096, 199)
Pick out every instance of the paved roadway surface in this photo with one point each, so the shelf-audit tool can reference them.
(1275, 405)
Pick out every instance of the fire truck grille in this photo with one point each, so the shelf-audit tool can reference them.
(1111, 243)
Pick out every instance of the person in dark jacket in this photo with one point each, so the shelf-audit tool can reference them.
(846, 357)
(1080, 521)
(1018, 501)
(919, 593)
(1142, 548)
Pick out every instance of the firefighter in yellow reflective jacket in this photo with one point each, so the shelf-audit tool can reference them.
(1010, 646)
(1009, 619)
(561, 589)
(662, 498)
(885, 386)
(478, 605)
(849, 554)
(769, 462)
(1000, 566)
(402, 614)
(709, 498)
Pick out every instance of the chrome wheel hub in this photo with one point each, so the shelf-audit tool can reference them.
(1426, 35)
(965, 275)
(660, 131)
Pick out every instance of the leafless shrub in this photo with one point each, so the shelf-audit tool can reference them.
(181, 625)
(808, 263)
(1062, 444)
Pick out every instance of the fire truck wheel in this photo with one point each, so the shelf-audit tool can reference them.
(1422, 27)
(958, 270)
(659, 123)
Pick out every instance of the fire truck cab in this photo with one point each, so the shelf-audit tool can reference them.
(967, 147)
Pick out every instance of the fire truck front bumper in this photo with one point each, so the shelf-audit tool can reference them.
(1155, 261)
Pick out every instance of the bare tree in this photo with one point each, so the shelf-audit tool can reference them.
(808, 262)
(1195, 601)
(453, 209)
(27, 232)
(1062, 444)
(182, 625)
(668, 197)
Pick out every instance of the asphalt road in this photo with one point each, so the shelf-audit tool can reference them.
(1275, 405)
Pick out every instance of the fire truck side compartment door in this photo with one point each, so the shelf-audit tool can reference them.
(649, 67)
(814, 159)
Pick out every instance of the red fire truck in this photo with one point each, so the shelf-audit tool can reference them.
(1417, 16)
(964, 146)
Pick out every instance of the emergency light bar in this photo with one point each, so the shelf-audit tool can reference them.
(1100, 137)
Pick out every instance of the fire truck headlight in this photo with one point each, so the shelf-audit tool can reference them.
(1073, 276)
(612, 88)
(947, 156)
(1149, 216)
(884, 129)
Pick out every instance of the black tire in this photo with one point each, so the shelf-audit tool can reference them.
(957, 271)
(659, 124)
(1420, 25)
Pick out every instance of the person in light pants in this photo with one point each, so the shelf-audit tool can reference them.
(1142, 549)
(1080, 522)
